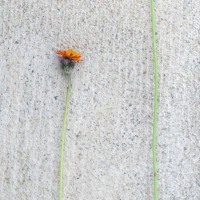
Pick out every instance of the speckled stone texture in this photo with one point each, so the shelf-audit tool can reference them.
(108, 146)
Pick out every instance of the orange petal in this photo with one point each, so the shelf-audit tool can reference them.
(70, 54)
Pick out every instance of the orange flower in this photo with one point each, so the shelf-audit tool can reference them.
(70, 54)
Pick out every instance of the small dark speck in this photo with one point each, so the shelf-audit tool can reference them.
(32, 71)
(130, 104)
(185, 148)
(56, 97)
(16, 42)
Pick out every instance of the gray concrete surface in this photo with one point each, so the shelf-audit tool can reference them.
(108, 149)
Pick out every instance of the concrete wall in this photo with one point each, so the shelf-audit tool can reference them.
(108, 148)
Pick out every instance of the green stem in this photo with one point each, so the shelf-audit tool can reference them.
(155, 112)
(63, 138)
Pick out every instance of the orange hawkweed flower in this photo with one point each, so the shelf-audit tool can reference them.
(68, 59)
(70, 54)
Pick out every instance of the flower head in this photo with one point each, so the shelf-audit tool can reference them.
(70, 54)
(68, 58)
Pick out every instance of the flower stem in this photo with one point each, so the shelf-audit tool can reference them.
(63, 138)
(155, 112)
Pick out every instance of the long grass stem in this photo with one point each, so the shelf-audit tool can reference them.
(63, 138)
